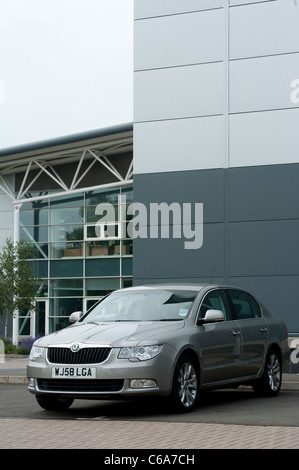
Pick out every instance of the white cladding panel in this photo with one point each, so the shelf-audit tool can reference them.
(263, 83)
(168, 41)
(245, 2)
(264, 138)
(148, 8)
(179, 92)
(180, 144)
(264, 28)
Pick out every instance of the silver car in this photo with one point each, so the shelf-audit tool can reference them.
(170, 341)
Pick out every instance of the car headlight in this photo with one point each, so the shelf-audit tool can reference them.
(36, 354)
(142, 353)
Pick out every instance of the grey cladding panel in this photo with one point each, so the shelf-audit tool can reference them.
(279, 294)
(264, 248)
(167, 258)
(264, 193)
(205, 187)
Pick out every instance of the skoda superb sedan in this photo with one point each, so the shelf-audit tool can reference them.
(168, 341)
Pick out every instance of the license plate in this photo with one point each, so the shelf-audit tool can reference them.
(74, 372)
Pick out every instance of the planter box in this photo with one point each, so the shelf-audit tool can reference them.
(99, 251)
(71, 252)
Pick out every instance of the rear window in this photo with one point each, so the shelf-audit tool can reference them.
(245, 306)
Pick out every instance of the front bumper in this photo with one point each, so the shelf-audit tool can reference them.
(113, 378)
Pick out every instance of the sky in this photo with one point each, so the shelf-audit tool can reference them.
(66, 66)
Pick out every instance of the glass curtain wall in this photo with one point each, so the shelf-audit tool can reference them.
(82, 251)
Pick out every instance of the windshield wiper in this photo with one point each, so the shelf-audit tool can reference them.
(171, 319)
(148, 319)
(124, 320)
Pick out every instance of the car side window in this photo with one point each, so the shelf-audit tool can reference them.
(245, 306)
(216, 300)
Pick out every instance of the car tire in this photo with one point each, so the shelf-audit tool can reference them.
(185, 387)
(270, 382)
(54, 403)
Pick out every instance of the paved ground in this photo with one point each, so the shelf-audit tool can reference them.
(102, 434)
(132, 435)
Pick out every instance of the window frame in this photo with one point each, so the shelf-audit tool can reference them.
(250, 298)
(224, 300)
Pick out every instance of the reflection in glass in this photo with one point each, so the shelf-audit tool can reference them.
(66, 288)
(60, 310)
(66, 215)
(41, 289)
(105, 195)
(40, 269)
(100, 287)
(90, 303)
(40, 250)
(108, 230)
(40, 315)
(68, 201)
(60, 233)
(127, 247)
(66, 250)
(128, 192)
(34, 217)
(105, 248)
(66, 268)
(107, 211)
(24, 325)
(148, 305)
(102, 267)
(127, 282)
(35, 204)
(36, 233)
(127, 266)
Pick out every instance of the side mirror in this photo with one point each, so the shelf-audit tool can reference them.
(212, 316)
(75, 316)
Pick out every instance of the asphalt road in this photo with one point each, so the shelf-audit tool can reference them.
(219, 407)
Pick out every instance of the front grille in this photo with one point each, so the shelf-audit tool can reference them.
(79, 385)
(83, 356)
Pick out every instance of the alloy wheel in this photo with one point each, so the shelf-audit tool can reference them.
(187, 385)
(274, 373)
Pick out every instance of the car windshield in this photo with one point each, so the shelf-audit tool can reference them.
(155, 305)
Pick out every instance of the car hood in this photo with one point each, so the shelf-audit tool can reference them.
(119, 334)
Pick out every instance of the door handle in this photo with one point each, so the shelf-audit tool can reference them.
(264, 330)
(236, 332)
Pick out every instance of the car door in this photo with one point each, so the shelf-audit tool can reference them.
(254, 331)
(219, 342)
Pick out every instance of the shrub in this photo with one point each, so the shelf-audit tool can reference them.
(23, 348)
(27, 343)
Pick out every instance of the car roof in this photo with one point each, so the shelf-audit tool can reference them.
(181, 286)
(172, 286)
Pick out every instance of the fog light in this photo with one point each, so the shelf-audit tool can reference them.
(143, 383)
(31, 382)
